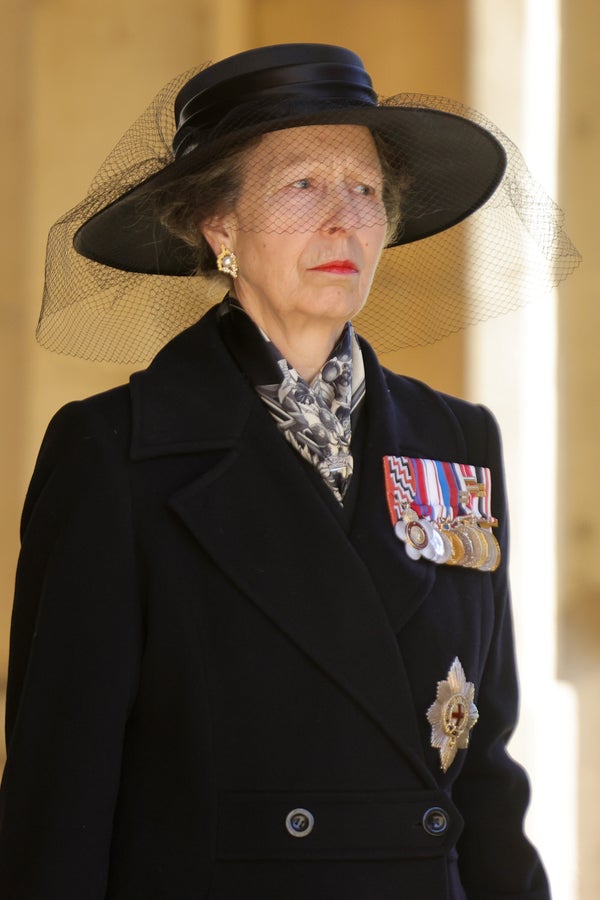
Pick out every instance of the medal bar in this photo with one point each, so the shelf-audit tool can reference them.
(441, 511)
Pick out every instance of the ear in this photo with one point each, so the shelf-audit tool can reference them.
(219, 232)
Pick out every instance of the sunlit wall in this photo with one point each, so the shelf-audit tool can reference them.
(515, 65)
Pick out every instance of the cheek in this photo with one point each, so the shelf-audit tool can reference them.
(375, 240)
(269, 260)
(252, 252)
(373, 247)
(287, 254)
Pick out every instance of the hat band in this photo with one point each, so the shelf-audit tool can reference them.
(331, 82)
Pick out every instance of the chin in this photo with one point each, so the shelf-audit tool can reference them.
(337, 304)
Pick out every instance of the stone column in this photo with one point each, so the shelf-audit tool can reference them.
(578, 484)
(15, 174)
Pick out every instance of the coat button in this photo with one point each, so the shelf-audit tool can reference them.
(435, 821)
(299, 822)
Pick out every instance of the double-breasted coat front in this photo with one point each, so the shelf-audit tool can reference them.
(204, 641)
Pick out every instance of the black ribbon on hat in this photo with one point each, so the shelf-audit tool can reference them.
(338, 83)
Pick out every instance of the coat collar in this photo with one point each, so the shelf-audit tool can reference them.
(263, 523)
(191, 398)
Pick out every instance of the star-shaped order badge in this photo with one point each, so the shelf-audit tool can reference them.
(452, 715)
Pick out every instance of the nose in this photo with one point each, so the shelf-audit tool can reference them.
(343, 212)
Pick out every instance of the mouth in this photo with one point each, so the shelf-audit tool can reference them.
(337, 267)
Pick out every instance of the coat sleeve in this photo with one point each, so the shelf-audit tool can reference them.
(74, 657)
(496, 860)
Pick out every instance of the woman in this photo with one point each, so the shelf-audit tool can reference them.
(261, 641)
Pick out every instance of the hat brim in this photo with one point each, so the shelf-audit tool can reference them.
(454, 166)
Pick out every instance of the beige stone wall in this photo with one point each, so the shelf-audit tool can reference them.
(14, 177)
(94, 69)
(578, 537)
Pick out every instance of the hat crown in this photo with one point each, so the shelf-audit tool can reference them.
(309, 75)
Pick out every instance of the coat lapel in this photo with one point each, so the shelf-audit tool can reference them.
(411, 420)
(259, 517)
(280, 543)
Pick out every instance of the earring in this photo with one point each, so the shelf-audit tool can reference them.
(227, 262)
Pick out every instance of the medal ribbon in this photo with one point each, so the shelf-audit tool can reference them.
(436, 490)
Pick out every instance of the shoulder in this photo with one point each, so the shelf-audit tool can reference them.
(456, 430)
(424, 397)
(104, 418)
(471, 424)
(85, 440)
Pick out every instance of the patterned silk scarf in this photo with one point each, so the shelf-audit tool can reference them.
(316, 418)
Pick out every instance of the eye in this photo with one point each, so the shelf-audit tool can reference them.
(365, 189)
(302, 183)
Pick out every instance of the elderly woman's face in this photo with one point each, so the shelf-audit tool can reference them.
(309, 224)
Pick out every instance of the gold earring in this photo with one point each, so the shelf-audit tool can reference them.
(227, 262)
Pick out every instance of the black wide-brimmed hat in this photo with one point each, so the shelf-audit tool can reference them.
(453, 163)
(119, 284)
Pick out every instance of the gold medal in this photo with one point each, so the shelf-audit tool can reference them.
(469, 549)
(494, 552)
(458, 548)
(479, 546)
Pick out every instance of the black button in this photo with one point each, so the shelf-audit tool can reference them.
(435, 821)
(299, 822)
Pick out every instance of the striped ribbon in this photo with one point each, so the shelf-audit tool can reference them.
(436, 490)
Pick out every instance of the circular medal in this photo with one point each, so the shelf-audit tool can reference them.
(469, 549)
(457, 552)
(434, 550)
(494, 553)
(480, 551)
(412, 551)
(446, 552)
(417, 535)
(400, 529)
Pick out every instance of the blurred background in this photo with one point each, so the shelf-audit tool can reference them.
(76, 74)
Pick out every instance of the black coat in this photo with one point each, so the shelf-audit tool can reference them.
(204, 641)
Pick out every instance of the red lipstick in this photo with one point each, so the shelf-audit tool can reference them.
(337, 267)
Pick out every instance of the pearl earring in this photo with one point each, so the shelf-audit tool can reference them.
(227, 262)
